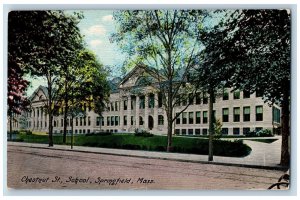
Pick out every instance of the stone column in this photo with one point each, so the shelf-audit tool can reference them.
(146, 114)
(137, 111)
(155, 113)
(129, 113)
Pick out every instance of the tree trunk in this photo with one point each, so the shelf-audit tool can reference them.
(66, 101)
(169, 146)
(72, 129)
(50, 131)
(50, 111)
(285, 130)
(211, 125)
(65, 124)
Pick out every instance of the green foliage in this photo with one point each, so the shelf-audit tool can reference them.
(99, 134)
(154, 143)
(218, 129)
(142, 133)
(261, 133)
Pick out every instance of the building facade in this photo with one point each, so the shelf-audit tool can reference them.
(128, 110)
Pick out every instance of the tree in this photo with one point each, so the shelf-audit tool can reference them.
(16, 87)
(85, 85)
(211, 70)
(44, 42)
(163, 40)
(260, 43)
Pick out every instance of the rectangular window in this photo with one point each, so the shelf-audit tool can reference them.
(160, 100)
(98, 121)
(246, 114)
(236, 114)
(246, 130)
(225, 94)
(177, 131)
(246, 94)
(112, 120)
(131, 104)
(76, 121)
(102, 121)
(83, 131)
(197, 131)
(151, 101)
(236, 94)
(178, 118)
(191, 131)
(225, 114)
(62, 122)
(142, 102)
(125, 103)
(205, 131)
(184, 118)
(224, 131)
(160, 120)
(116, 106)
(116, 120)
(76, 131)
(183, 131)
(89, 120)
(131, 120)
(259, 113)
(80, 121)
(108, 121)
(204, 117)
(191, 117)
(112, 107)
(198, 98)
(84, 121)
(198, 117)
(236, 131)
(125, 120)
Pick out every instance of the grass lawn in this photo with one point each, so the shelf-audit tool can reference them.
(154, 143)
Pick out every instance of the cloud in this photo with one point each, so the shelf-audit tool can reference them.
(96, 30)
(107, 18)
(95, 43)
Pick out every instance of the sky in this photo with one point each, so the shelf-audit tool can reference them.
(96, 26)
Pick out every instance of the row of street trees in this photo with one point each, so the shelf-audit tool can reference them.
(246, 50)
(48, 44)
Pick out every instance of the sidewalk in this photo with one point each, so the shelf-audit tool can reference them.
(263, 155)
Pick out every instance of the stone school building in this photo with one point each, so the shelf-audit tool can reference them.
(239, 112)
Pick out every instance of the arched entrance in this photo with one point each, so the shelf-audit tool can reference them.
(150, 122)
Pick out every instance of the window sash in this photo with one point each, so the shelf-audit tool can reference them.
(259, 109)
(236, 111)
(246, 110)
(225, 111)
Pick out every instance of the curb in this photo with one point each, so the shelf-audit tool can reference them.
(278, 167)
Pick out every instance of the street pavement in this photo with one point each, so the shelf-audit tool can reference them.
(263, 155)
(35, 166)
